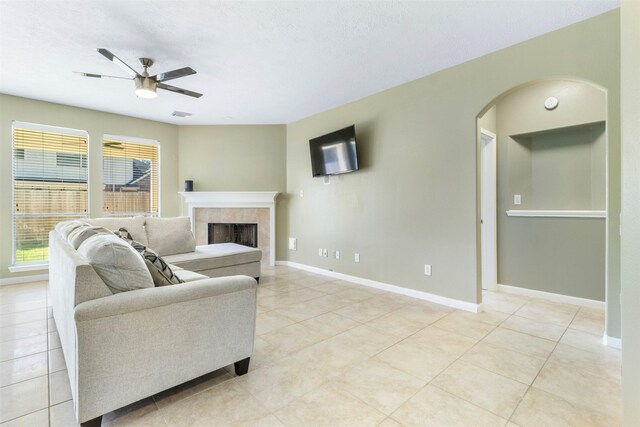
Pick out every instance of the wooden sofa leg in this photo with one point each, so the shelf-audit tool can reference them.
(96, 422)
(242, 366)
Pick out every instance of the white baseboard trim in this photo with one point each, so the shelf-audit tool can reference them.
(583, 302)
(612, 341)
(449, 302)
(23, 279)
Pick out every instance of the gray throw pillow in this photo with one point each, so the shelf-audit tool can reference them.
(160, 271)
(123, 233)
(119, 265)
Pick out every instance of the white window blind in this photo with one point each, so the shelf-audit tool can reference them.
(47, 188)
(130, 177)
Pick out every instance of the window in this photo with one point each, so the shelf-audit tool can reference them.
(45, 191)
(130, 176)
(71, 160)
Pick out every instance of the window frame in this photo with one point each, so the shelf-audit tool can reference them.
(15, 124)
(133, 140)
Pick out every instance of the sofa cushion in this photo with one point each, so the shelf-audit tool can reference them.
(116, 262)
(207, 257)
(160, 271)
(82, 233)
(66, 227)
(169, 236)
(135, 225)
(189, 276)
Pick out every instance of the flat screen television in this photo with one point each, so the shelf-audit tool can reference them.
(334, 153)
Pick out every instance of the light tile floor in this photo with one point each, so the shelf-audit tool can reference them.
(331, 353)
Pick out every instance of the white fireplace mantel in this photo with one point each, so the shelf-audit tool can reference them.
(236, 199)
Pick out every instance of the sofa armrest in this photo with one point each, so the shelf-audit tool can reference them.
(143, 299)
(135, 344)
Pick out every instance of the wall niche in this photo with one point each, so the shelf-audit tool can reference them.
(560, 169)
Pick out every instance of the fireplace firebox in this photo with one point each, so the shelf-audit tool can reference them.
(242, 234)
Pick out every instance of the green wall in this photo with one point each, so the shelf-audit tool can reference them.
(556, 161)
(233, 158)
(630, 79)
(414, 201)
(96, 124)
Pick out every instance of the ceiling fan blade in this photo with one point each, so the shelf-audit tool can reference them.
(170, 75)
(101, 76)
(111, 57)
(179, 90)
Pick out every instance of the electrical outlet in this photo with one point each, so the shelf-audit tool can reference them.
(517, 199)
(293, 244)
(301, 193)
(427, 269)
(319, 251)
(356, 257)
(325, 253)
(337, 254)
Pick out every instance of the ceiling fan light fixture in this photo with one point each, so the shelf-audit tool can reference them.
(145, 87)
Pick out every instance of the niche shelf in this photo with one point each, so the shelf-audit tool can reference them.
(556, 213)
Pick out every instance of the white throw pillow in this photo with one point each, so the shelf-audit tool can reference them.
(66, 227)
(135, 226)
(170, 236)
(118, 264)
(82, 233)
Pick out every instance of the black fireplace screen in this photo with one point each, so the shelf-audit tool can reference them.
(242, 234)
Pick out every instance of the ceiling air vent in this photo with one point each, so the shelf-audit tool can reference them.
(180, 114)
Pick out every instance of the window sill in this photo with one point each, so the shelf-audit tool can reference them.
(30, 267)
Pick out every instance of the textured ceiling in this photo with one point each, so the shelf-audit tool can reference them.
(258, 61)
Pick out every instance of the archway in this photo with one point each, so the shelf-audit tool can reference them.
(551, 190)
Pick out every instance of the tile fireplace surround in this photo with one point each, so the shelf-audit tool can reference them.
(206, 207)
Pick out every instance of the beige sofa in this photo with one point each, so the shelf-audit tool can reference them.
(122, 347)
(173, 240)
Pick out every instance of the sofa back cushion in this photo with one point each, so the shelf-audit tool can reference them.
(119, 265)
(135, 225)
(83, 232)
(169, 236)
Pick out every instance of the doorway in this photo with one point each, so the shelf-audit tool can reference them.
(488, 226)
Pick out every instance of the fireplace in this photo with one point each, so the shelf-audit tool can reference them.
(235, 208)
(242, 234)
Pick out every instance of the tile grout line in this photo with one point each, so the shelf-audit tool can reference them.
(465, 352)
(542, 367)
(46, 308)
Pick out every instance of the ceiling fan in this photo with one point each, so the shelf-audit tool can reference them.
(146, 85)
